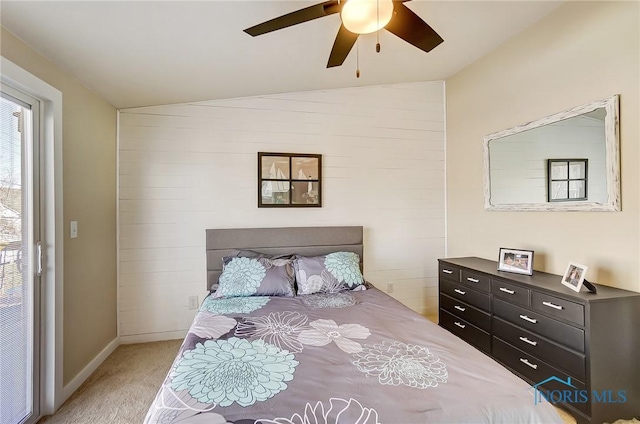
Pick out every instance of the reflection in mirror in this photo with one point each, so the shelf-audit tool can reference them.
(567, 161)
(567, 180)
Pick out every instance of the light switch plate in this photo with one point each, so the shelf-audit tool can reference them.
(73, 229)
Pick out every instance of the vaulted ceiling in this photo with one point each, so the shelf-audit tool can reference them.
(140, 53)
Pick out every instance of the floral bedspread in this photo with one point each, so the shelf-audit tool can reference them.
(348, 357)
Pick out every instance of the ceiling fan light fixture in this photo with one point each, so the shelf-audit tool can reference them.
(366, 16)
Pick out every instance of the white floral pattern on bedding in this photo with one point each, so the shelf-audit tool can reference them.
(237, 368)
(169, 407)
(337, 412)
(278, 328)
(211, 326)
(325, 331)
(323, 283)
(329, 300)
(396, 363)
(329, 273)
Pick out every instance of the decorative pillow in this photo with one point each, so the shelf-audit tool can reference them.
(261, 276)
(328, 273)
(255, 255)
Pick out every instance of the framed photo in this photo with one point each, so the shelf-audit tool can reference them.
(574, 276)
(515, 260)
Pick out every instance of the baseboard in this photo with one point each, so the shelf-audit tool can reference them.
(77, 381)
(153, 337)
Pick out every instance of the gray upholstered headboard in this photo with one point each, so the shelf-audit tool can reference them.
(307, 241)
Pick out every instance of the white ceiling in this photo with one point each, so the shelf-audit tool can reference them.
(140, 53)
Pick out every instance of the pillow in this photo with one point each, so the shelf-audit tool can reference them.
(328, 273)
(261, 276)
(255, 255)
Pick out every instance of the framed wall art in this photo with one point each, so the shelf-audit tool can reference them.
(289, 180)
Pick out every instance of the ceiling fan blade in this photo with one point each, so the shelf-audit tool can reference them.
(294, 18)
(341, 47)
(412, 29)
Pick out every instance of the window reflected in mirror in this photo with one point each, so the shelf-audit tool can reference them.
(567, 180)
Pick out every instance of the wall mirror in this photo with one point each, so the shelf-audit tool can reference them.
(541, 166)
(289, 180)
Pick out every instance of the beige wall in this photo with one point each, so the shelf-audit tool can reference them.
(581, 52)
(89, 155)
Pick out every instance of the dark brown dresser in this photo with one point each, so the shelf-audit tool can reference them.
(581, 350)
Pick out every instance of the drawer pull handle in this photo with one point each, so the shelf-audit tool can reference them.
(526, 318)
(526, 362)
(502, 289)
(460, 291)
(460, 308)
(447, 271)
(459, 324)
(526, 340)
(552, 305)
(473, 280)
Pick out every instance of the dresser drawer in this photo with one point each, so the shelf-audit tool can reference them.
(449, 272)
(465, 311)
(478, 281)
(510, 292)
(536, 371)
(465, 294)
(540, 324)
(464, 330)
(559, 308)
(559, 356)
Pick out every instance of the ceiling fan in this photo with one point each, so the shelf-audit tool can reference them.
(359, 17)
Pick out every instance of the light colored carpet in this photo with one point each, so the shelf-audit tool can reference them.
(123, 387)
(567, 418)
(121, 390)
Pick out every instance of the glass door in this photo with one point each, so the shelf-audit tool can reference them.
(19, 258)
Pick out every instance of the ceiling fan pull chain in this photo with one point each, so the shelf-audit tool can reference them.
(378, 31)
(358, 57)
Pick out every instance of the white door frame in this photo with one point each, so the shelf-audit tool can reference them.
(51, 393)
(31, 224)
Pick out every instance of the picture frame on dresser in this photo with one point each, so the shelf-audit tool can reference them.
(515, 260)
(574, 276)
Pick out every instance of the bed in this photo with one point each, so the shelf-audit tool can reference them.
(347, 355)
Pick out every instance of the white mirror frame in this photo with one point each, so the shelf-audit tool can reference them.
(612, 146)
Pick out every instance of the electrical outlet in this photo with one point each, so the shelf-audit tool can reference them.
(193, 302)
(389, 287)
